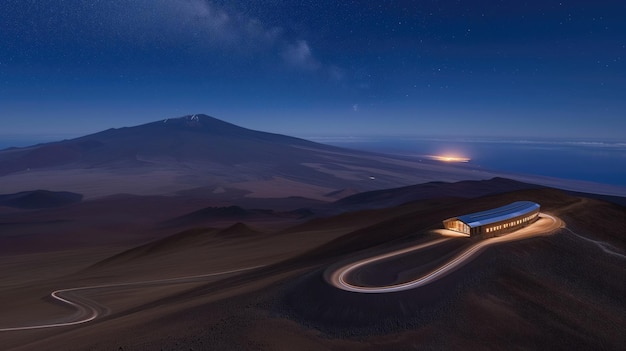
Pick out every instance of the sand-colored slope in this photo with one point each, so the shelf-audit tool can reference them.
(545, 291)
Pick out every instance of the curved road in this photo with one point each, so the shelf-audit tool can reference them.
(88, 310)
(544, 226)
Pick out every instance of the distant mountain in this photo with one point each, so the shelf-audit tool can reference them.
(198, 151)
(166, 142)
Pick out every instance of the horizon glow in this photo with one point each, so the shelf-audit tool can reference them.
(449, 158)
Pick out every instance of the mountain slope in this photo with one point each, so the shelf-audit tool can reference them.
(397, 196)
(178, 140)
(39, 199)
(199, 151)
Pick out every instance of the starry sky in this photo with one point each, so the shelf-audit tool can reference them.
(512, 69)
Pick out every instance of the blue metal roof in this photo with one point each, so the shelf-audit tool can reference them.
(498, 214)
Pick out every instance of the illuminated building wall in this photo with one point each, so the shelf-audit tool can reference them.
(495, 221)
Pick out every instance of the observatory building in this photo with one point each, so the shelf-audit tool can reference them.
(495, 221)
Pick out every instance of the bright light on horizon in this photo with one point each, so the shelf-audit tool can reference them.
(449, 158)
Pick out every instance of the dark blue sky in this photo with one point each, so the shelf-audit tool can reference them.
(545, 69)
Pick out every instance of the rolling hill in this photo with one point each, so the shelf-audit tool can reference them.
(39, 199)
(547, 287)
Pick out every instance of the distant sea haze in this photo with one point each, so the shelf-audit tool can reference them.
(600, 162)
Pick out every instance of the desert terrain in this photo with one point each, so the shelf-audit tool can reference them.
(131, 239)
(244, 279)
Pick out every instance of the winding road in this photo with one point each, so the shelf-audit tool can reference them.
(546, 225)
(88, 310)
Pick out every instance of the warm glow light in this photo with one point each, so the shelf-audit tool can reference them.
(449, 158)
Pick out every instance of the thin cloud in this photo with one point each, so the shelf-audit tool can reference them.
(210, 23)
(239, 32)
(205, 26)
(299, 54)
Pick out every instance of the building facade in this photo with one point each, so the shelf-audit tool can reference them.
(496, 221)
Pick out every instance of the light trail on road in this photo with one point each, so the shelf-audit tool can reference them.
(546, 225)
(88, 310)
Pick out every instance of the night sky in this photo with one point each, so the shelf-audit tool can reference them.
(544, 69)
